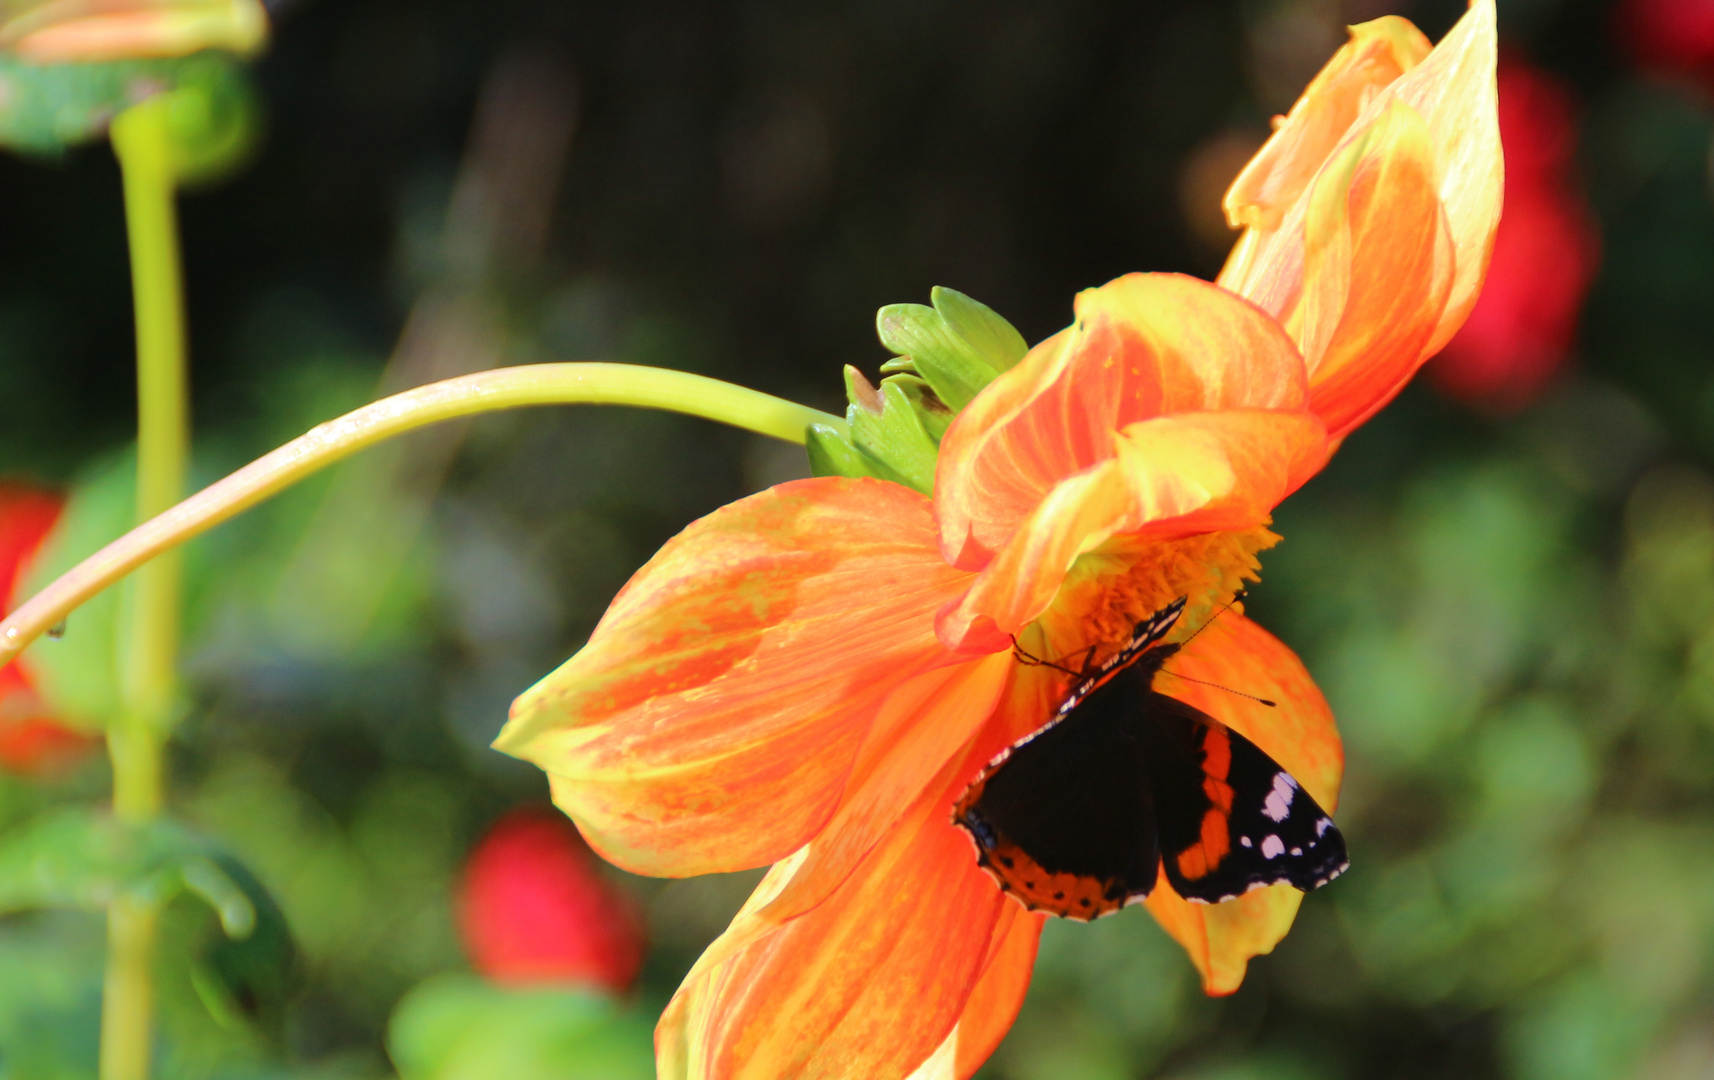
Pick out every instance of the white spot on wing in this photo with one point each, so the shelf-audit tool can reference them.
(1245, 840)
(1278, 803)
(1272, 847)
(1322, 826)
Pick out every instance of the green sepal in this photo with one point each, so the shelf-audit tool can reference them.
(886, 428)
(831, 453)
(931, 412)
(47, 108)
(957, 346)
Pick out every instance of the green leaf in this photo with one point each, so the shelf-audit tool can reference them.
(457, 1027)
(82, 859)
(931, 412)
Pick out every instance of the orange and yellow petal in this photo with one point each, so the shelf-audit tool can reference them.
(1454, 91)
(1298, 733)
(1143, 346)
(1378, 264)
(921, 733)
(1171, 476)
(70, 31)
(712, 719)
(1377, 53)
(993, 1004)
(868, 983)
(1456, 155)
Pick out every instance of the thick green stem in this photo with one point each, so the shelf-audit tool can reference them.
(136, 740)
(468, 395)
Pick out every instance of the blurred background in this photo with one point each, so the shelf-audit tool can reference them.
(1505, 582)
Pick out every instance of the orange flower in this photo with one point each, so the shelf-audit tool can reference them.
(62, 31)
(810, 677)
(31, 739)
(1369, 216)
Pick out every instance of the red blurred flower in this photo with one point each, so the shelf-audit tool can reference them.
(1545, 253)
(535, 908)
(1670, 36)
(32, 741)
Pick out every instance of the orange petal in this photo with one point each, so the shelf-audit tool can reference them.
(238, 25)
(711, 720)
(922, 731)
(1143, 346)
(869, 983)
(1172, 476)
(1299, 733)
(1378, 267)
(1378, 53)
(995, 1002)
(1452, 91)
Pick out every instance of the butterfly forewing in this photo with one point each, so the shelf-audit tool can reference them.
(1081, 817)
(1065, 820)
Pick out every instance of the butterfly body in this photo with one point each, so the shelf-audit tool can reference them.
(1126, 784)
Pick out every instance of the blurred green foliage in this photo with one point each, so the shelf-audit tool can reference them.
(1513, 617)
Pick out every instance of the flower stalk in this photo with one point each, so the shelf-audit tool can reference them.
(137, 737)
(468, 395)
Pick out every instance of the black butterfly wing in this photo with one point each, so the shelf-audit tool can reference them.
(1064, 819)
(1230, 818)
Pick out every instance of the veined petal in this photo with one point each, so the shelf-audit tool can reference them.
(1143, 346)
(1378, 264)
(1170, 476)
(1299, 734)
(993, 1004)
(711, 721)
(921, 733)
(868, 983)
(1378, 52)
(1452, 90)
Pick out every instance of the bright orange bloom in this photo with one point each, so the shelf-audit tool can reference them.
(810, 677)
(62, 31)
(31, 739)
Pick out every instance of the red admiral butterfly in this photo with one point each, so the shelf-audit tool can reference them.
(1080, 817)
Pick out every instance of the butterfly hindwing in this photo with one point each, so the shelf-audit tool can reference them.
(1230, 818)
(1064, 819)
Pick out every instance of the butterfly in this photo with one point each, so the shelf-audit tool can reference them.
(1081, 817)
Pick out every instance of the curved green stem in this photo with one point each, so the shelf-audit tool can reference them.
(468, 395)
(136, 738)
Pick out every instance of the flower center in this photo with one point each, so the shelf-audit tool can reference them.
(1127, 579)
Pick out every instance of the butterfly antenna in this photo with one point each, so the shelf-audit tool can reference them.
(1224, 608)
(1228, 689)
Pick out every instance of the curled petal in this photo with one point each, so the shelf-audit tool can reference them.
(869, 983)
(1143, 346)
(922, 731)
(1170, 476)
(1378, 267)
(1298, 733)
(711, 721)
(1452, 91)
(1378, 53)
